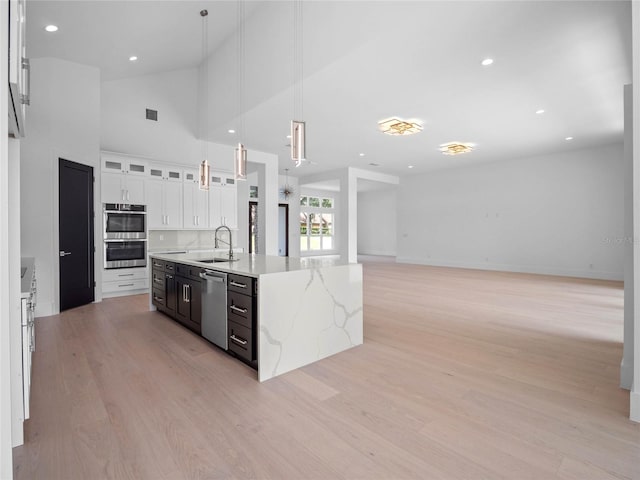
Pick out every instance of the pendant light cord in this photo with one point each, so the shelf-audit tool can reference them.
(298, 58)
(205, 84)
(240, 73)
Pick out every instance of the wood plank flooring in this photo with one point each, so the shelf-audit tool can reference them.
(463, 375)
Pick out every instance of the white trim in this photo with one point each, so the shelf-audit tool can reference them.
(562, 272)
(626, 375)
(634, 406)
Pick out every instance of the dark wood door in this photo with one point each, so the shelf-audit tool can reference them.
(170, 292)
(76, 234)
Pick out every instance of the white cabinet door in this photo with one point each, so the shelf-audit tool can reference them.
(164, 204)
(112, 189)
(19, 67)
(172, 197)
(196, 206)
(155, 211)
(134, 189)
(215, 207)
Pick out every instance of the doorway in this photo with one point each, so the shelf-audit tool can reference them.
(253, 227)
(75, 211)
(283, 229)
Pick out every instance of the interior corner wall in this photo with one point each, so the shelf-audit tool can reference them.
(172, 138)
(63, 121)
(626, 366)
(377, 212)
(558, 214)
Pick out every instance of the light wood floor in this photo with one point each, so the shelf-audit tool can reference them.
(463, 375)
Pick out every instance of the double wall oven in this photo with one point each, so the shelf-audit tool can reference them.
(125, 235)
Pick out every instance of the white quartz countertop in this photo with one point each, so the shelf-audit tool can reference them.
(252, 265)
(27, 265)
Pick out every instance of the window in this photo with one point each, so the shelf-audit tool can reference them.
(316, 224)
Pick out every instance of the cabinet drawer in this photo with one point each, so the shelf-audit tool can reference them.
(241, 284)
(157, 278)
(159, 264)
(240, 309)
(240, 341)
(120, 274)
(158, 298)
(124, 285)
(188, 271)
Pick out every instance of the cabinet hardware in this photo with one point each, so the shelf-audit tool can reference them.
(188, 297)
(236, 284)
(26, 98)
(127, 285)
(237, 309)
(64, 254)
(169, 277)
(125, 275)
(236, 339)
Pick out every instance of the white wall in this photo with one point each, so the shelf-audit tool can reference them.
(172, 138)
(556, 214)
(626, 366)
(377, 212)
(64, 122)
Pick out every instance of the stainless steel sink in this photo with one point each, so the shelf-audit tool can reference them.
(217, 260)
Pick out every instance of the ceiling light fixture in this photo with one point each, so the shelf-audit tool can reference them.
(240, 154)
(51, 28)
(456, 148)
(539, 112)
(397, 126)
(568, 139)
(287, 190)
(133, 58)
(361, 154)
(204, 166)
(410, 166)
(487, 61)
(231, 130)
(298, 127)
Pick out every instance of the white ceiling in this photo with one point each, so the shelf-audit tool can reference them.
(365, 61)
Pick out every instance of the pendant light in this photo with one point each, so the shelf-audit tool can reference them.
(204, 178)
(240, 154)
(287, 190)
(298, 127)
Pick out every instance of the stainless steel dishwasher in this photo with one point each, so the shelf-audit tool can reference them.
(214, 307)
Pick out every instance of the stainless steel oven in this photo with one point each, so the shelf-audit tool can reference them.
(125, 253)
(124, 221)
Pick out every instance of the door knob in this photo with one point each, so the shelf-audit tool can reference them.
(64, 254)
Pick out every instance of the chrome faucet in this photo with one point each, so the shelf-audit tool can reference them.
(230, 242)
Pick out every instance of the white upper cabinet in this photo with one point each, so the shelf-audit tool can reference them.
(19, 67)
(123, 179)
(164, 198)
(196, 202)
(223, 201)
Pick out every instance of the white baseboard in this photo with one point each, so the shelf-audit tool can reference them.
(544, 270)
(634, 400)
(626, 375)
(378, 253)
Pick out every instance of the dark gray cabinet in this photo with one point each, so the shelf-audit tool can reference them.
(188, 302)
(242, 317)
(163, 286)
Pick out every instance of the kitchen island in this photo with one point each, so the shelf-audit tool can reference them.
(305, 309)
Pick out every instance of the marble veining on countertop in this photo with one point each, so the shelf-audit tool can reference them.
(252, 265)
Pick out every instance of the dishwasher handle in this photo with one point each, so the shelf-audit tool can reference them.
(213, 276)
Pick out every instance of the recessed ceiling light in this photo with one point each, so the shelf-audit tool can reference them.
(397, 126)
(133, 58)
(51, 28)
(539, 112)
(361, 154)
(487, 62)
(288, 136)
(456, 148)
(410, 166)
(231, 130)
(568, 138)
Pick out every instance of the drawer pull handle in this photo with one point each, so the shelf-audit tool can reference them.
(126, 285)
(239, 285)
(158, 280)
(238, 340)
(237, 309)
(125, 275)
(158, 299)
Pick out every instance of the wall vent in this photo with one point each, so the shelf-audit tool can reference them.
(152, 115)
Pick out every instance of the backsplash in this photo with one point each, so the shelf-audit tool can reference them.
(184, 239)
